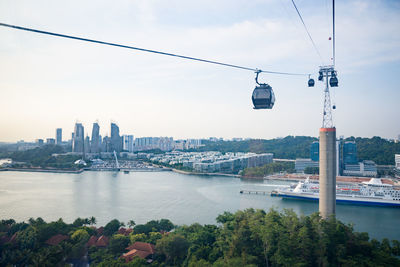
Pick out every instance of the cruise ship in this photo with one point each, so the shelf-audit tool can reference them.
(372, 193)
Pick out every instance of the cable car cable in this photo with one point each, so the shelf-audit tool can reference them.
(309, 35)
(148, 50)
(333, 33)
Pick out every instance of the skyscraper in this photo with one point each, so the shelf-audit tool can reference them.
(95, 145)
(86, 147)
(58, 136)
(78, 141)
(116, 141)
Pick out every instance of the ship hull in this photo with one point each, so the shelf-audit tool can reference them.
(341, 200)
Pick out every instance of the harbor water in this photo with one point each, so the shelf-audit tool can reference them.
(144, 196)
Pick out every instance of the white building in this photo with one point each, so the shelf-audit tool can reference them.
(397, 161)
(301, 164)
(365, 168)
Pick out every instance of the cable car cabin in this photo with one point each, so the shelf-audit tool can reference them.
(263, 97)
(311, 83)
(333, 81)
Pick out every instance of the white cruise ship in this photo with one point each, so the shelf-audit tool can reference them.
(373, 192)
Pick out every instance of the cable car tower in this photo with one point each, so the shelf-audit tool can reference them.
(329, 73)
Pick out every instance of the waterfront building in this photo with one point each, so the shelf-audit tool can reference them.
(78, 138)
(50, 141)
(301, 164)
(127, 141)
(364, 168)
(95, 144)
(116, 140)
(58, 136)
(230, 162)
(314, 151)
(349, 153)
(397, 161)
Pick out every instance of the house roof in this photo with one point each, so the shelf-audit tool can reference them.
(133, 253)
(56, 239)
(102, 241)
(124, 231)
(142, 246)
(92, 241)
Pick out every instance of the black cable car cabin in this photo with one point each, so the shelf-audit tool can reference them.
(263, 97)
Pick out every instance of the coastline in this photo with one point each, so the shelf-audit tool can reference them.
(41, 170)
(206, 173)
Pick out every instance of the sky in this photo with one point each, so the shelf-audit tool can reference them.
(48, 82)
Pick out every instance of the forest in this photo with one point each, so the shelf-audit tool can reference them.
(244, 238)
(42, 157)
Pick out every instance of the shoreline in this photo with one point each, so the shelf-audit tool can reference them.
(206, 173)
(41, 170)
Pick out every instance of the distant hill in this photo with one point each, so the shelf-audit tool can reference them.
(291, 147)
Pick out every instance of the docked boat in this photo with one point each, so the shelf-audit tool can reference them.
(373, 192)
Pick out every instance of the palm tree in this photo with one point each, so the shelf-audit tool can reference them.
(92, 220)
(131, 223)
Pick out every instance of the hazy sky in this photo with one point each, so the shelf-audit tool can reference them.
(48, 82)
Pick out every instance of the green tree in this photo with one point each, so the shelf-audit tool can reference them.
(174, 247)
(118, 244)
(112, 227)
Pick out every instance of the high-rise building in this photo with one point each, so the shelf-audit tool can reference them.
(127, 142)
(86, 147)
(39, 142)
(314, 151)
(95, 145)
(58, 136)
(50, 141)
(350, 153)
(116, 141)
(78, 141)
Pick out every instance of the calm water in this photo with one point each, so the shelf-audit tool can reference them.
(143, 196)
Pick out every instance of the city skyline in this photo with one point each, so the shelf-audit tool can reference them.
(105, 131)
(49, 82)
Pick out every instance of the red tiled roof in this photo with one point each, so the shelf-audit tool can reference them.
(142, 246)
(133, 253)
(55, 240)
(125, 231)
(102, 241)
(140, 249)
(92, 241)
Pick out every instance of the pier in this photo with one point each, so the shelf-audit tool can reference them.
(256, 192)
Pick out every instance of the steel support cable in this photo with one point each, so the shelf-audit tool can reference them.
(148, 50)
(309, 35)
(333, 33)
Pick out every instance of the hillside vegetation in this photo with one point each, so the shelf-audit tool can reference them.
(291, 147)
(246, 238)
